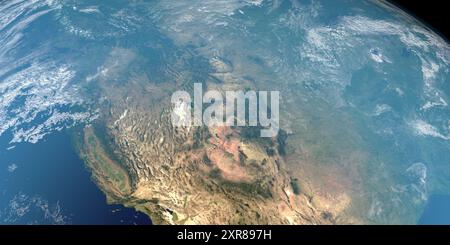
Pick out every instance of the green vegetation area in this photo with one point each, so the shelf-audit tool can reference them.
(106, 170)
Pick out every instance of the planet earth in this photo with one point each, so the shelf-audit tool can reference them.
(85, 113)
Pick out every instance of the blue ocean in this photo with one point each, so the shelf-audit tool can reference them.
(47, 183)
(437, 211)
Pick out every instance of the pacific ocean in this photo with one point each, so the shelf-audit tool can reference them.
(47, 183)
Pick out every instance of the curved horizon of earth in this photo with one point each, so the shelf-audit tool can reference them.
(364, 116)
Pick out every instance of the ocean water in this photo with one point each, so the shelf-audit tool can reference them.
(47, 183)
(437, 211)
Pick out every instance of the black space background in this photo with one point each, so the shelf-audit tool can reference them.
(434, 13)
